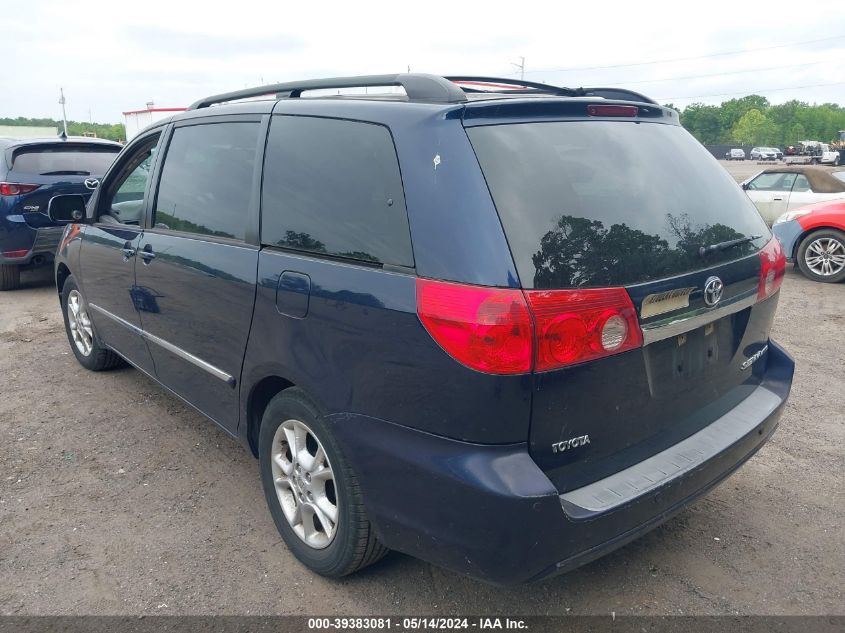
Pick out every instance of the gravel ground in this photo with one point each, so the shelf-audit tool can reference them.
(116, 498)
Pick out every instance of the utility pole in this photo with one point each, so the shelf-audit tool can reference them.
(521, 67)
(64, 114)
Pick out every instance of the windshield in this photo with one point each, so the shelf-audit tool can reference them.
(611, 203)
(65, 161)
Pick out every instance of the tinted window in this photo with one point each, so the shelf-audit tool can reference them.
(597, 203)
(63, 161)
(334, 187)
(772, 182)
(206, 181)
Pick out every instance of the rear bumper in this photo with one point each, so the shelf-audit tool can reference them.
(490, 512)
(40, 244)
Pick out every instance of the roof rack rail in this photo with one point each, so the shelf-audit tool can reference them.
(520, 86)
(511, 85)
(418, 87)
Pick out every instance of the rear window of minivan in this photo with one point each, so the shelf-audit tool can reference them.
(610, 203)
(64, 161)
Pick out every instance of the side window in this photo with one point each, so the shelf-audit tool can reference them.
(334, 187)
(801, 183)
(772, 182)
(206, 181)
(123, 199)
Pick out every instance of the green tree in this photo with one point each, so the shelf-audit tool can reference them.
(753, 129)
(111, 131)
(703, 122)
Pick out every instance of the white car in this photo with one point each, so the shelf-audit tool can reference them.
(766, 153)
(780, 189)
(735, 154)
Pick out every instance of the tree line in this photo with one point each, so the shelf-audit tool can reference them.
(111, 131)
(752, 120)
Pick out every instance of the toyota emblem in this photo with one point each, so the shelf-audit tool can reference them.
(713, 291)
(91, 183)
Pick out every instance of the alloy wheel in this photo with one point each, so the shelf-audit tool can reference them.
(79, 323)
(825, 256)
(305, 484)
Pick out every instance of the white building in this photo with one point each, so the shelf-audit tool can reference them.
(137, 120)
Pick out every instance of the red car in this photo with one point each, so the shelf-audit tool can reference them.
(814, 238)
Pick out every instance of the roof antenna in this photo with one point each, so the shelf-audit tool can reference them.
(64, 115)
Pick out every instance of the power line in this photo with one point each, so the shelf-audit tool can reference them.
(733, 72)
(684, 59)
(751, 92)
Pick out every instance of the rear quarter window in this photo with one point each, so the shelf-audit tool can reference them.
(333, 187)
(610, 203)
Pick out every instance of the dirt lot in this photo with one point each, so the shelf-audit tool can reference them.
(115, 498)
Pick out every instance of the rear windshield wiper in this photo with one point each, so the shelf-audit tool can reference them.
(723, 246)
(65, 173)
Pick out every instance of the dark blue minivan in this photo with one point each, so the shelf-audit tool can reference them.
(444, 321)
(33, 170)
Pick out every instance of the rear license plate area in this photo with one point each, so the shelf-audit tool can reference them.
(691, 359)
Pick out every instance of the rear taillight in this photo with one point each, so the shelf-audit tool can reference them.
(772, 269)
(504, 331)
(612, 110)
(488, 329)
(15, 188)
(21, 253)
(574, 326)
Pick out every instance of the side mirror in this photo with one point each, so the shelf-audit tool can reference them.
(66, 209)
(744, 185)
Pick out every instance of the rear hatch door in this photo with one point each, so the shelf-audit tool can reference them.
(628, 203)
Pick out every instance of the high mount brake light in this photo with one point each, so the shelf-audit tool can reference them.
(505, 331)
(612, 110)
(772, 269)
(15, 188)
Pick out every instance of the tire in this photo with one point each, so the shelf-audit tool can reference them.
(97, 357)
(10, 277)
(836, 161)
(351, 544)
(830, 240)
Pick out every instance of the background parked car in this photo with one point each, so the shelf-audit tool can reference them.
(814, 237)
(780, 189)
(735, 154)
(766, 153)
(31, 172)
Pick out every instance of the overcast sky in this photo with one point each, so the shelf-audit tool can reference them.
(116, 56)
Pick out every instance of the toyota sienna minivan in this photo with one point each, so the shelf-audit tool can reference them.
(440, 318)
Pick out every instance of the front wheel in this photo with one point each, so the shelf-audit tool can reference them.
(821, 256)
(86, 345)
(311, 491)
(10, 277)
